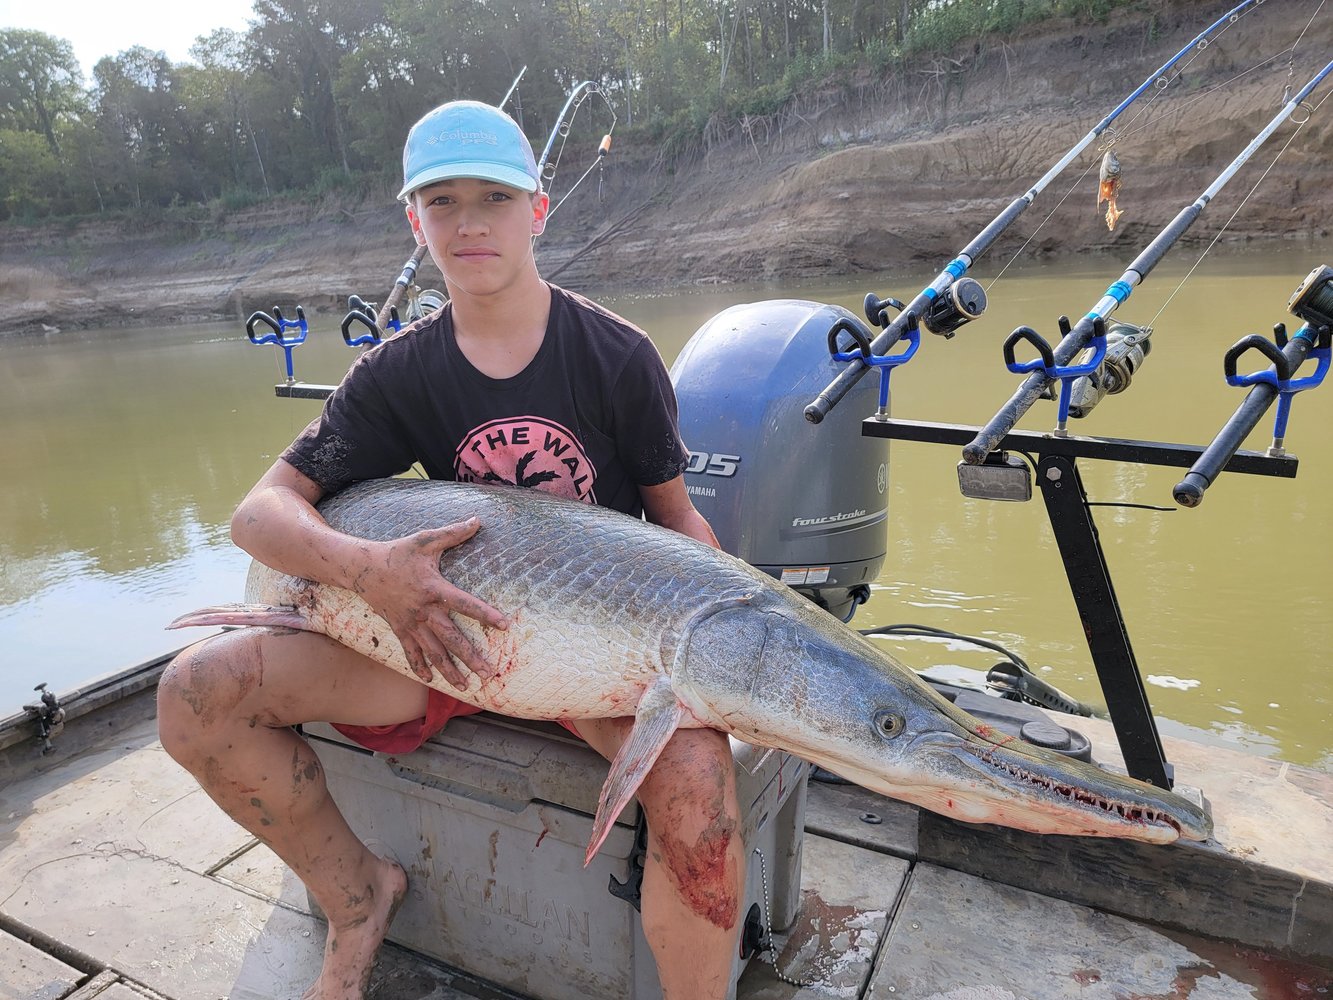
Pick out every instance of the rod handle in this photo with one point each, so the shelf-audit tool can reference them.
(1263, 392)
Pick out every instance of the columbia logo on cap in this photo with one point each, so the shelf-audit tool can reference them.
(459, 136)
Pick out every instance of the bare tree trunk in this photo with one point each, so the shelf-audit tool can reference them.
(263, 174)
(92, 173)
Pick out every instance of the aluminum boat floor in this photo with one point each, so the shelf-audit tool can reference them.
(120, 880)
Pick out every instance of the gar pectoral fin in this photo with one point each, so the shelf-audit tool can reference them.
(655, 723)
(243, 614)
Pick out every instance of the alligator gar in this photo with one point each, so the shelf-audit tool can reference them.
(611, 616)
(1108, 188)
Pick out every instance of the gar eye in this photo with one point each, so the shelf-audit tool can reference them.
(888, 724)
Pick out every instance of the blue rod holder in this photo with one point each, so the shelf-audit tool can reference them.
(1065, 374)
(886, 363)
(278, 326)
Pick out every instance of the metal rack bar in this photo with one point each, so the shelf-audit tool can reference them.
(1085, 560)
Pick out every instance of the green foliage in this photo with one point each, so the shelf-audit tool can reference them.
(1087, 10)
(29, 175)
(235, 199)
(941, 27)
(766, 99)
(334, 180)
(316, 97)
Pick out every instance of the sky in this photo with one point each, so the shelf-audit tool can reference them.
(98, 28)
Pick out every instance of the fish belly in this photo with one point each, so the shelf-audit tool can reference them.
(597, 601)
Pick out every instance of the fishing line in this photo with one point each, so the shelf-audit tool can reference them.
(1202, 94)
(1050, 215)
(1290, 52)
(1117, 134)
(1212, 243)
(1163, 83)
(548, 165)
(1291, 67)
(596, 163)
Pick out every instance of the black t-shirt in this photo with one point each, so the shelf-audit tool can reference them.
(592, 416)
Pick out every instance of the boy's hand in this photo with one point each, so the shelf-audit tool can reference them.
(402, 583)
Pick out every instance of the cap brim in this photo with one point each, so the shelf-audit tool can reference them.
(482, 170)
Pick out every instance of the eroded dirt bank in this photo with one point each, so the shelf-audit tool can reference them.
(896, 170)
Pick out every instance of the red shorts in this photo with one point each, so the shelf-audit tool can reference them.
(404, 737)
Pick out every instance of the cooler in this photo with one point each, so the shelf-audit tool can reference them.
(491, 819)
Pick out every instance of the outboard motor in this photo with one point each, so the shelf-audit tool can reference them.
(805, 503)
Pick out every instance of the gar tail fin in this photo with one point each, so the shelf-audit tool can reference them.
(655, 723)
(243, 614)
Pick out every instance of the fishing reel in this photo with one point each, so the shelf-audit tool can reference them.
(1126, 347)
(1313, 300)
(1104, 368)
(424, 302)
(962, 302)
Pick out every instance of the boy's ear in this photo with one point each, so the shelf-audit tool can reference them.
(541, 205)
(415, 223)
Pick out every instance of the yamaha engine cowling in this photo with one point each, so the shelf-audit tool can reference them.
(806, 503)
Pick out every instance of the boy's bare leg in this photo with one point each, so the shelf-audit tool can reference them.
(224, 711)
(693, 877)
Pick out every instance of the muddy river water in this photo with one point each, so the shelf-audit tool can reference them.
(124, 452)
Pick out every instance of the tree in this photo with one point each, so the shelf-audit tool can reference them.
(219, 91)
(41, 87)
(151, 137)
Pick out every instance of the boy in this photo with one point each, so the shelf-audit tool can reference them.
(514, 380)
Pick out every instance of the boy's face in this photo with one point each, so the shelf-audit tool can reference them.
(479, 232)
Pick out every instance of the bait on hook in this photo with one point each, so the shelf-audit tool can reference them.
(956, 268)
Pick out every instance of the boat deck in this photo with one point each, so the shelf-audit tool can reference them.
(119, 879)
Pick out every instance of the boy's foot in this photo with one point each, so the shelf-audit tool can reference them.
(349, 951)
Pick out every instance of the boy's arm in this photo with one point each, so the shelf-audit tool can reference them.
(669, 505)
(400, 579)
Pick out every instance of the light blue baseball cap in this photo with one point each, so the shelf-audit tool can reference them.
(468, 139)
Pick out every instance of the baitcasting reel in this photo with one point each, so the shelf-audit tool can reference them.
(1313, 300)
(962, 302)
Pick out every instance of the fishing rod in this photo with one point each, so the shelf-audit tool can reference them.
(1311, 302)
(400, 287)
(944, 308)
(546, 167)
(1091, 328)
(512, 87)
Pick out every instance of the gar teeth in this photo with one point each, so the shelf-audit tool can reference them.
(1129, 813)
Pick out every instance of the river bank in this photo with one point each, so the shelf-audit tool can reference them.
(881, 172)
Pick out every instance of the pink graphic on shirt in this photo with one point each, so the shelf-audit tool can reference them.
(530, 452)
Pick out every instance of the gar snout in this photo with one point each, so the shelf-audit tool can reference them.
(1015, 783)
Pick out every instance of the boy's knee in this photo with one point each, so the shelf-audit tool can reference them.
(201, 687)
(697, 776)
